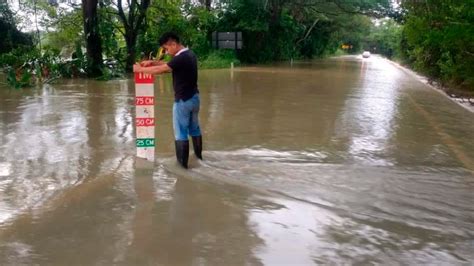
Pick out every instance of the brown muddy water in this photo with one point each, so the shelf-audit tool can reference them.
(337, 161)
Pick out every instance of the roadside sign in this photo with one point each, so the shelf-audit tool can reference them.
(227, 40)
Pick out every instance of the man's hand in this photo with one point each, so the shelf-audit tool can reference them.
(149, 63)
(146, 63)
(137, 68)
(163, 68)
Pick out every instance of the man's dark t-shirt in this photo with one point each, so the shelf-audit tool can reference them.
(184, 72)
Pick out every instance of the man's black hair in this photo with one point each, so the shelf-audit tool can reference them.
(169, 36)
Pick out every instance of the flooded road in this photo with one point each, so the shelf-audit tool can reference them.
(336, 161)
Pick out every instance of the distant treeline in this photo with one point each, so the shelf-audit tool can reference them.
(434, 37)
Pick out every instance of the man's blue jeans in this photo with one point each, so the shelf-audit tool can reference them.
(185, 118)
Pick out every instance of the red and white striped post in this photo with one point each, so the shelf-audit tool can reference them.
(145, 115)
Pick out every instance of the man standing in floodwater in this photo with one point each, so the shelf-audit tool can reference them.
(186, 105)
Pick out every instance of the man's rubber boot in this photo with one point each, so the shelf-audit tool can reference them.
(197, 145)
(182, 152)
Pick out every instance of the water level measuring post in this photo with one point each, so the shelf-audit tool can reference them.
(145, 116)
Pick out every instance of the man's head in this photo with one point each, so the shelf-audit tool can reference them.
(170, 42)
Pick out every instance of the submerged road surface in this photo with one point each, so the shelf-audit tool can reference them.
(337, 161)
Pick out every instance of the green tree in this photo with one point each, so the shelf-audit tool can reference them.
(63, 32)
(278, 29)
(351, 30)
(92, 37)
(132, 17)
(438, 39)
(385, 38)
(11, 36)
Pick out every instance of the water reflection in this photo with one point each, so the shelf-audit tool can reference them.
(141, 249)
(367, 120)
(290, 233)
(201, 225)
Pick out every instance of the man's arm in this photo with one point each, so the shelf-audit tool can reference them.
(147, 63)
(163, 68)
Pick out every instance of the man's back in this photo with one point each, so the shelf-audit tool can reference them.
(184, 71)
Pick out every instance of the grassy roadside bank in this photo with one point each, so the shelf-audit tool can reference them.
(464, 98)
